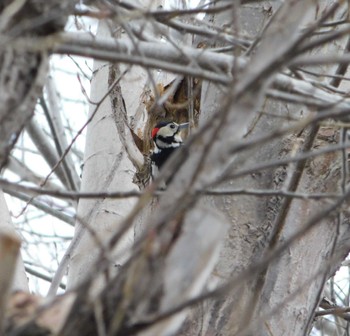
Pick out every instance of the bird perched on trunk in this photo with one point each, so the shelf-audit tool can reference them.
(167, 138)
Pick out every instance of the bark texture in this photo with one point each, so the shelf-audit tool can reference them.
(19, 281)
(23, 73)
(287, 289)
(216, 254)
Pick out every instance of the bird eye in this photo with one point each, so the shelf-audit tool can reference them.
(172, 126)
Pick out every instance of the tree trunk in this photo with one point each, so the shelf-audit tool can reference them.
(288, 288)
(19, 281)
(106, 167)
(22, 74)
(244, 237)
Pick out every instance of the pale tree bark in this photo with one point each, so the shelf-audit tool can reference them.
(19, 281)
(210, 259)
(23, 73)
(110, 150)
(177, 197)
(110, 153)
(106, 167)
(9, 247)
(289, 289)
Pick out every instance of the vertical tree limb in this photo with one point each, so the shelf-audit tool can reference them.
(9, 249)
(22, 73)
(19, 281)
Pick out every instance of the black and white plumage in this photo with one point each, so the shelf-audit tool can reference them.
(167, 138)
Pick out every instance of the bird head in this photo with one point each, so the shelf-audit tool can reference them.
(166, 134)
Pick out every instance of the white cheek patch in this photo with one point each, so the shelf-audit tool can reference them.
(178, 138)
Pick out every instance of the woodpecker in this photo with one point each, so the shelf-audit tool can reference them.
(167, 138)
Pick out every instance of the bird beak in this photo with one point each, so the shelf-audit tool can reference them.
(184, 125)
